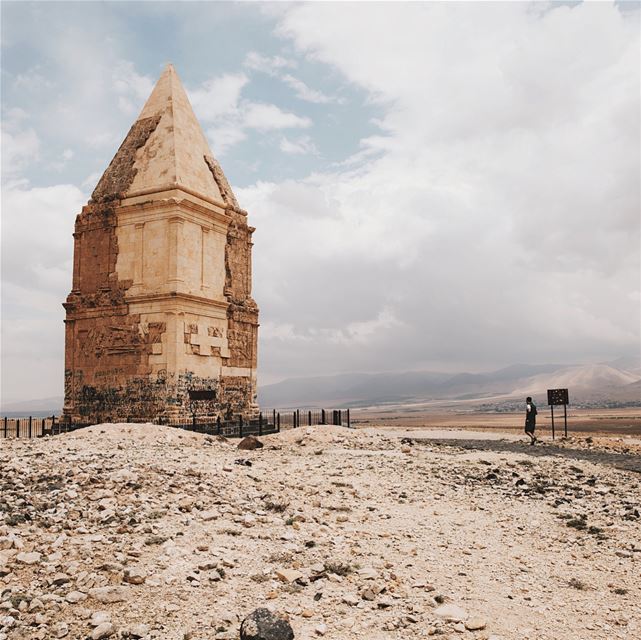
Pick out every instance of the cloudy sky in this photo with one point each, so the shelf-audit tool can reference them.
(434, 186)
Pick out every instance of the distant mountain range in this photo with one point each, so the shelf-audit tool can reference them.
(587, 383)
(615, 381)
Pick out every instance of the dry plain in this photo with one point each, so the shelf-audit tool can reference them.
(466, 416)
(147, 531)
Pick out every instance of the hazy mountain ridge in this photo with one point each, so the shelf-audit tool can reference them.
(601, 382)
(586, 382)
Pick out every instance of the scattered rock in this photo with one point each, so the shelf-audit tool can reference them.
(99, 617)
(262, 624)
(104, 630)
(75, 596)
(475, 623)
(250, 443)
(138, 631)
(135, 575)
(288, 575)
(109, 595)
(451, 612)
(29, 558)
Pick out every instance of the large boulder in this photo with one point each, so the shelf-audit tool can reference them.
(262, 624)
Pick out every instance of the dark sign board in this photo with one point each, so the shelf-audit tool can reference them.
(558, 396)
(202, 394)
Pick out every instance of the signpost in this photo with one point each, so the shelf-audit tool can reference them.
(200, 401)
(558, 397)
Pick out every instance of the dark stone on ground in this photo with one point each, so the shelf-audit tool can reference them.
(262, 624)
(250, 443)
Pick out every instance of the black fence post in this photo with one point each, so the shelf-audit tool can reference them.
(294, 419)
(5, 426)
(240, 424)
(53, 425)
(298, 417)
(218, 425)
(278, 422)
(260, 423)
(348, 420)
(322, 416)
(30, 426)
(309, 418)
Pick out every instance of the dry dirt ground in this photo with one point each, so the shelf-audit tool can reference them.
(466, 415)
(130, 531)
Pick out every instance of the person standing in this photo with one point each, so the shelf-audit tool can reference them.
(530, 419)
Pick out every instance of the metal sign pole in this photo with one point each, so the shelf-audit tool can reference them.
(552, 410)
(565, 417)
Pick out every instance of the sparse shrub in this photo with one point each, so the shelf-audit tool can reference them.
(280, 558)
(577, 523)
(259, 578)
(578, 584)
(339, 568)
(276, 506)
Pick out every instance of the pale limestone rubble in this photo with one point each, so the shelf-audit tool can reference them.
(141, 531)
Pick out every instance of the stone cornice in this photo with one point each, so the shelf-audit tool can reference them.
(181, 301)
(136, 213)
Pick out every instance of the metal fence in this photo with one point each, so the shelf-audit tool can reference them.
(36, 427)
(307, 417)
(238, 428)
(271, 421)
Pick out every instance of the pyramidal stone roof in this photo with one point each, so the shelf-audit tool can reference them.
(165, 149)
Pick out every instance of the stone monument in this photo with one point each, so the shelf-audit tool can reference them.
(160, 321)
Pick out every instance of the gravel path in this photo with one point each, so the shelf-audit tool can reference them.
(619, 460)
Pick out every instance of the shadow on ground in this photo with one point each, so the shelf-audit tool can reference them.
(623, 461)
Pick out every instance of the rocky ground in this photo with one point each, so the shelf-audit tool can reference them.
(143, 531)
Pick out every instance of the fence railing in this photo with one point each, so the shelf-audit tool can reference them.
(293, 418)
(31, 427)
(267, 422)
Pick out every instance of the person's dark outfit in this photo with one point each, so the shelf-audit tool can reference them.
(530, 420)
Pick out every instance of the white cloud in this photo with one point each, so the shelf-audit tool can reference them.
(275, 65)
(44, 218)
(127, 81)
(266, 117)
(219, 101)
(19, 148)
(496, 215)
(37, 245)
(307, 93)
(32, 81)
(91, 180)
(267, 64)
(218, 96)
(300, 146)
(222, 138)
